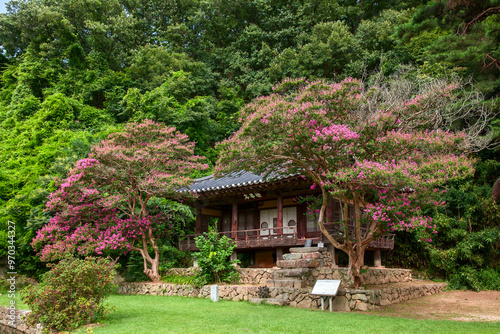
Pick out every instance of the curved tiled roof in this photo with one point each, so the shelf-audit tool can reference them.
(234, 180)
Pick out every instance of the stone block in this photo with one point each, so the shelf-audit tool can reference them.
(313, 255)
(302, 263)
(361, 307)
(307, 249)
(305, 303)
(269, 283)
(286, 283)
(384, 302)
(292, 256)
(294, 272)
(274, 301)
(359, 296)
(341, 304)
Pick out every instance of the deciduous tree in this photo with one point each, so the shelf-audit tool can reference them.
(103, 203)
(355, 146)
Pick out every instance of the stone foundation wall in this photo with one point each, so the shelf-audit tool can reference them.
(226, 292)
(256, 276)
(306, 257)
(6, 316)
(363, 300)
(263, 276)
(346, 300)
(373, 276)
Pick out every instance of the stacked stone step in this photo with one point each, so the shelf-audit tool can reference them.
(303, 257)
(290, 278)
(296, 265)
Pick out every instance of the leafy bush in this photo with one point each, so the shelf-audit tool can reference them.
(134, 268)
(178, 279)
(263, 292)
(22, 281)
(71, 294)
(171, 257)
(471, 278)
(214, 259)
(466, 249)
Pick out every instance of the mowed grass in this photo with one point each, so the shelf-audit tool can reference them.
(158, 314)
(5, 300)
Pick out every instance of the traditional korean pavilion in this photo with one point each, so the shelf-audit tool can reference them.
(264, 218)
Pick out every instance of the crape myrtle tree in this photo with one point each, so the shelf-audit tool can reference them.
(102, 205)
(363, 147)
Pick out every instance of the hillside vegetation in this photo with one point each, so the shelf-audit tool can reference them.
(74, 71)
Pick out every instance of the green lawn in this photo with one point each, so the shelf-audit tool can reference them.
(5, 300)
(157, 314)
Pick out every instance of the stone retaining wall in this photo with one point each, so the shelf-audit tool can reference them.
(346, 300)
(263, 276)
(374, 276)
(256, 276)
(6, 315)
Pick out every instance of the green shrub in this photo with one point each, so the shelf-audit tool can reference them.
(71, 294)
(172, 257)
(134, 268)
(214, 259)
(470, 278)
(178, 279)
(22, 281)
(4, 285)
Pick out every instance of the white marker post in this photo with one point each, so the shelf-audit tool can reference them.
(214, 293)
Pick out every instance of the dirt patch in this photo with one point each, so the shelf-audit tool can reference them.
(449, 305)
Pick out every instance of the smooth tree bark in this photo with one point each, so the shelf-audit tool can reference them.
(357, 148)
(102, 205)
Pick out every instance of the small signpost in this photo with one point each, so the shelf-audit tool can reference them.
(326, 289)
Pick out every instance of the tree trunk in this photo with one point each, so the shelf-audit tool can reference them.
(153, 272)
(355, 250)
(356, 262)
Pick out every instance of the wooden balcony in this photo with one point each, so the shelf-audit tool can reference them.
(259, 238)
(282, 237)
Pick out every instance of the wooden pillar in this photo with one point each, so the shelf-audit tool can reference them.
(198, 221)
(234, 256)
(377, 259)
(279, 254)
(280, 214)
(329, 212)
(234, 220)
(301, 221)
(331, 249)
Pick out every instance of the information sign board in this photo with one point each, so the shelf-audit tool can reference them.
(326, 287)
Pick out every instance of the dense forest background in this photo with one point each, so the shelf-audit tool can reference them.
(72, 72)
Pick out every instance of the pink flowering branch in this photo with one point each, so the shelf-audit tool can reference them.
(376, 157)
(102, 205)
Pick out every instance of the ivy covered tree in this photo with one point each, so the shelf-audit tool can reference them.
(357, 147)
(103, 203)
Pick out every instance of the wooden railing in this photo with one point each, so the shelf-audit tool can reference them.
(283, 236)
(264, 237)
